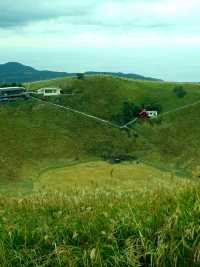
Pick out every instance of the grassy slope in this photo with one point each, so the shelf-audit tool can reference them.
(177, 138)
(120, 177)
(103, 96)
(138, 217)
(178, 131)
(102, 215)
(35, 136)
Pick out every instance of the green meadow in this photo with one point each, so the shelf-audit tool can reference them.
(77, 192)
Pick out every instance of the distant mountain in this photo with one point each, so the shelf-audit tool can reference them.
(15, 72)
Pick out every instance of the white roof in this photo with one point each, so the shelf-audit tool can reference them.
(11, 88)
(50, 88)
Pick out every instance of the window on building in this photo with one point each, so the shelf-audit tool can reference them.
(50, 91)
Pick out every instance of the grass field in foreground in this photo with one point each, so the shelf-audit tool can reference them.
(98, 214)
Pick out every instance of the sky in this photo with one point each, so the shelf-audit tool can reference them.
(157, 38)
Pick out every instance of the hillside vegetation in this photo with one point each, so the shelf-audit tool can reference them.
(78, 192)
(35, 135)
(172, 138)
(112, 92)
(130, 216)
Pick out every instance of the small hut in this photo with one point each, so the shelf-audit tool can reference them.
(143, 113)
(152, 113)
(49, 91)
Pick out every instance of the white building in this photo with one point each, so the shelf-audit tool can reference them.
(152, 113)
(49, 91)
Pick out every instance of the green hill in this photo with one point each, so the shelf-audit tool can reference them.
(167, 137)
(35, 135)
(63, 201)
(112, 92)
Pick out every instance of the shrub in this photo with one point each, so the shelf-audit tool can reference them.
(152, 106)
(80, 76)
(179, 91)
(129, 112)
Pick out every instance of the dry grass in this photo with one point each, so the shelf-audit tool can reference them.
(101, 228)
(97, 214)
(133, 176)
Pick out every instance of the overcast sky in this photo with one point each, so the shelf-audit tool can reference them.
(159, 38)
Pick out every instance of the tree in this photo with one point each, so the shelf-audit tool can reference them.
(153, 106)
(179, 91)
(80, 76)
(129, 112)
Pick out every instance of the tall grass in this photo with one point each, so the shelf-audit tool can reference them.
(101, 228)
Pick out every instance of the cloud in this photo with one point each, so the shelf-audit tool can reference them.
(22, 12)
(147, 13)
(88, 29)
(96, 23)
(102, 13)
